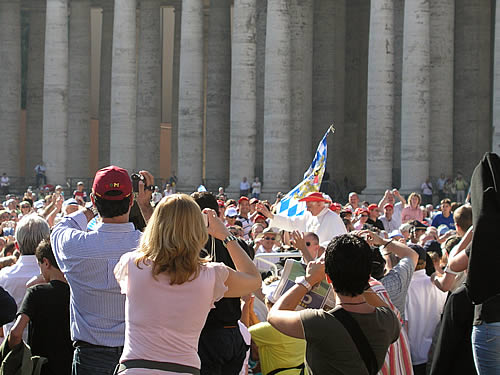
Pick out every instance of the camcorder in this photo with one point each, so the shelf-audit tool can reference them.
(136, 177)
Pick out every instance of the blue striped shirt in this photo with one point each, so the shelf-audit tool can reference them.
(87, 259)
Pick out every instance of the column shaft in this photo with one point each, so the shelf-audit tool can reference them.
(380, 114)
(190, 133)
(243, 93)
(277, 98)
(301, 34)
(218, 93)
(415, 106)
(10, 92)
(149, 88)
(260, 73)
(78, 164)
(34, 87)
(442, 28)
(473, 84)
(105, 82)
(123, 86)
(175, 89)
(55, 92)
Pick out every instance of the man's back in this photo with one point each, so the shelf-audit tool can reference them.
(14, 278)
(87, 259)
(423, 310)
(331, 350)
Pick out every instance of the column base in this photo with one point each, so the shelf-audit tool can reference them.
(372, 195)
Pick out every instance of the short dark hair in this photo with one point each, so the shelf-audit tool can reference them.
(446, 201)
(206, 199)
(109, 208)
(313, 235)
(348, 263)
(44, 250)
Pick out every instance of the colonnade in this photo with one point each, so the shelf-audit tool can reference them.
(255, 85)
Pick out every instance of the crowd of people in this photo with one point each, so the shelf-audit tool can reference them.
(130, 279)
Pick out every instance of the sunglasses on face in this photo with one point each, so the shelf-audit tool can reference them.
(231, 217)
(270, 238)
(364, 215)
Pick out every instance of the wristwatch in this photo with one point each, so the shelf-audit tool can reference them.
(301, 280)
(229, 239)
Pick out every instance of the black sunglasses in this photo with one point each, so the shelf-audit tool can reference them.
(270, 238)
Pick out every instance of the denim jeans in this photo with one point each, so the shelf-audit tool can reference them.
(95, 361)
(486, 348)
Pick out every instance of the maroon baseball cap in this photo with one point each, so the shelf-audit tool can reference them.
(109, 179)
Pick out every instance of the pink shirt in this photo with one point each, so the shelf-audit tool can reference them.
(162, 321)
(412, 214)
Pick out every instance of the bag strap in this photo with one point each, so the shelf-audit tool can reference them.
(154, 365)
(359, 338)
(274, 372)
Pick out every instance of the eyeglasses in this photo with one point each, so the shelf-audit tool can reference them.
(364, 215)
(231, 217)
(270, 238)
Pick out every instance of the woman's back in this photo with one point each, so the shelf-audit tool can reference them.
(164, 321)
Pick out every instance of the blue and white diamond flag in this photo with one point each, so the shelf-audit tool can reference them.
(289, 204)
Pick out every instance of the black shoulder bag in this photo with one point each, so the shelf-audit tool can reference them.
(359, 338)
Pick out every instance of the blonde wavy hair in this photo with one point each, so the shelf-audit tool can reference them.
(173, 239)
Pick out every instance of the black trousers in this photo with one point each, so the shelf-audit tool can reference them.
(222, 351)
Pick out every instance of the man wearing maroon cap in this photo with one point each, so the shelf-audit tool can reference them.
(87, 259)
(318, 219)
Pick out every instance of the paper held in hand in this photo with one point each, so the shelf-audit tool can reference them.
(322, 296)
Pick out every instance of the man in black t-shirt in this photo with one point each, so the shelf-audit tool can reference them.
(46, 308)
(221, 329)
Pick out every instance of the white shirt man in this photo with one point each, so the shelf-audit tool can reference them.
(387, 219)
(318, 219)
(424, 305)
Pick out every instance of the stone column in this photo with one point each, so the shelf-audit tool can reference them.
(190, 133)
(496, 84)
(10, 92)
(260, 73)
(243, 94)
(78, 164)
(175, 89)
(105, 82)
(55, 92)
(123, 86)
(473, 84)
(34, 87)
(277, 98)
(442, 28)
(301, 34)
(415, 106)
(380, 100)
(328, 79)
(149, 87)
(218, 93)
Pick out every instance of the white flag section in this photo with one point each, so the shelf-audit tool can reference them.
(289, 204)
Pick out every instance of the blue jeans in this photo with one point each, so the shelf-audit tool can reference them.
(486, 348)
(95, 361)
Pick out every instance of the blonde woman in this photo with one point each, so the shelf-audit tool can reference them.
(412, 210)
(170, 289)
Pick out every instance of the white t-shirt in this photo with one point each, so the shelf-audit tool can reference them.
(256, 187)
(426, 188)
(244, 185)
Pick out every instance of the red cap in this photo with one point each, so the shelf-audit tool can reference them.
(220, 203)
(314, 197)
(372, 207)
(254, 200)
(388, 205)
(112, 178)
(243, 199)
(360, 210)
(348, 210)
(260, 217)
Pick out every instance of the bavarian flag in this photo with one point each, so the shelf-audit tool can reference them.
(289, 204)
